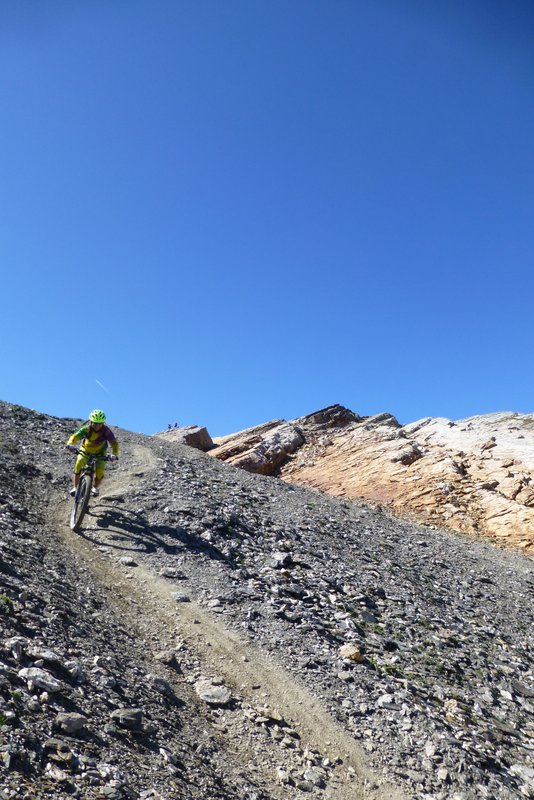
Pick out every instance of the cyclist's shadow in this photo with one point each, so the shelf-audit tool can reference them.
(131, 531)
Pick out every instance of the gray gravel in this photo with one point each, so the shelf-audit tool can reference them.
(438, 690)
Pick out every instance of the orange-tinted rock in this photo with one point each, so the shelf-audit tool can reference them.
(474, 475)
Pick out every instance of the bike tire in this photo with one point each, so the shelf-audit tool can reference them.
(81, 501)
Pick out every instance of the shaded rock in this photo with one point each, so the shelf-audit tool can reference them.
(71, 723)
(179, 597)
(131, 718)
(315, 776)
(161, 685)
(167, 657)
(170, 572)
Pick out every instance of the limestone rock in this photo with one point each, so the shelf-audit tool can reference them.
(474, 475)
(351, 651)
(262, 449)
(192, 435)
(40, 679)
(211, 693)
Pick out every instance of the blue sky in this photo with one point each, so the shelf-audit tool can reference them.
(223, 212)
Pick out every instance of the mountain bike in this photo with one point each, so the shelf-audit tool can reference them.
(85, 484)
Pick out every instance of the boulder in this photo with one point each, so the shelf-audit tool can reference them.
(192, 435)
(211, 693)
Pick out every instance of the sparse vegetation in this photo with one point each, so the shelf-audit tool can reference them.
(6, 605)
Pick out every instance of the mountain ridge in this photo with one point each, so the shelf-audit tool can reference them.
(474, 476)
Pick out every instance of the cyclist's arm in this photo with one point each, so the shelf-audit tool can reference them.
(79, 434)
(110, 436)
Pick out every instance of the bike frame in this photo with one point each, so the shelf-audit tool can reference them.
(83, 490)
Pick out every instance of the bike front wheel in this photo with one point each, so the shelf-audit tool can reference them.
(81, 501)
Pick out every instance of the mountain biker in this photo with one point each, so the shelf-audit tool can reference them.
(96, 437)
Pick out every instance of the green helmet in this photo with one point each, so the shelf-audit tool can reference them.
(97, 416)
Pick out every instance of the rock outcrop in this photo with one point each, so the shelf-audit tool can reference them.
(262, 449)
(192, 435)
(475, 475)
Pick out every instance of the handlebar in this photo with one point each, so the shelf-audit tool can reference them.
(73, 449)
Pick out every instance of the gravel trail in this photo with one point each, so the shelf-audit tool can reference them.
(148, 599)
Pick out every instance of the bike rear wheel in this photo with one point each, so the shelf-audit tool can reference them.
(81, 501)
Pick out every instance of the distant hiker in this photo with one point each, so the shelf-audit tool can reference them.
(175, 424)
(96, 437)
(169, 426)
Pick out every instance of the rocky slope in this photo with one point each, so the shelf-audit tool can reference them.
(474, 475)
(215, 633)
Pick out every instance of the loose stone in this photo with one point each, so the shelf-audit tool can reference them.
(212, 694)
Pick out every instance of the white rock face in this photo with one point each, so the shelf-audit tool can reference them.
(474, 475)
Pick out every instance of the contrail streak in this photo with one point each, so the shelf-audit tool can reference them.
(101, 385)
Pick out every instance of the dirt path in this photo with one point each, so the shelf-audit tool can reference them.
(147, 600)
